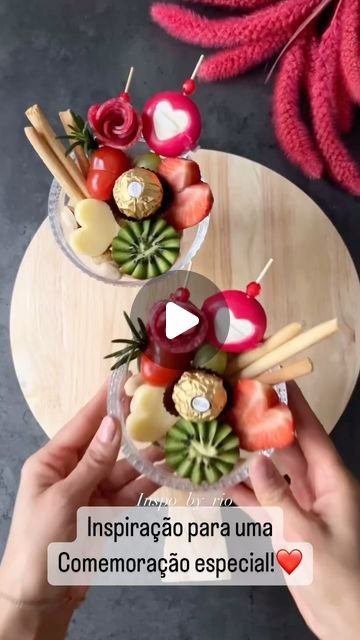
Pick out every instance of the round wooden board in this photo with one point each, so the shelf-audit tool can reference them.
(62, 321)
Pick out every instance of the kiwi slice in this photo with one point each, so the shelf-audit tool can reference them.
(146, 248)
(201, 451)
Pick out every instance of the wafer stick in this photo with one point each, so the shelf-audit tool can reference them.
(290, 348)
(43, 127)
(53, 164)
(67, 122)
(280, 337)
(291, 372)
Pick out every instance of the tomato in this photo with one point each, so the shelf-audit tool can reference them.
(157, 375)
(106, 165)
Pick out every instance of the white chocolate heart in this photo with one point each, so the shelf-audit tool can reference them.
(134, 382)
(229, 329)
(148, 420)
(98, 227)
(169, 122)
(68, 221)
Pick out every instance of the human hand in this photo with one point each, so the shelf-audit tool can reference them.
(77, 468)
(321, 506)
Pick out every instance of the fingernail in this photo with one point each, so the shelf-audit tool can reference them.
(262, 468)
(107, 430)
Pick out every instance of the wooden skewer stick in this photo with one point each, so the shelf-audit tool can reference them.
(43, 127)
(187, 278)
(197, 67)
(129, 80)
(276, 340)
(265, 270)
(291, 372)
(290, 348)
(67, 122)
(53, 164)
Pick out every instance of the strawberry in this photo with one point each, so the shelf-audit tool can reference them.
(179, 173)
(258, 417)
(190, 206)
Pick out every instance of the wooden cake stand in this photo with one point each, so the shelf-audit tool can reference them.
(62, 321)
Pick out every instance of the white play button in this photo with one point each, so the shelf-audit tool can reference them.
(178, 320)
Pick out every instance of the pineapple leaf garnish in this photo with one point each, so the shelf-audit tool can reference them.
(81, 134)
(135, 345)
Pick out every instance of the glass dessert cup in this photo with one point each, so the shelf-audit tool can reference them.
(118, 406)
(191, 241)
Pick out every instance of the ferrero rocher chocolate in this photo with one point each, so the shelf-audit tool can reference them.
(138, 193)
(199, 395)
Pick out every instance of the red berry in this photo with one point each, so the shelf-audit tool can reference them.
(190, 206)
(189, 86)
(179, 173)
(124, 96)
(253, 289)
(182, 294)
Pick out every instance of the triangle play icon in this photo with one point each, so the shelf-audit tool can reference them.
(178, 320)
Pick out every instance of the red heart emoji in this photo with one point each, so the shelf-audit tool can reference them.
(289, 560)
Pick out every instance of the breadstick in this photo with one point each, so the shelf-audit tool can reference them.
(67, 121)
(42, 126)
(53, 164)
(290, 348)
(291, 372)
(280, 337)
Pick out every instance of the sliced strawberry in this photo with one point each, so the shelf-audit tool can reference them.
(179, 173)
(259, 418)
(190, 206)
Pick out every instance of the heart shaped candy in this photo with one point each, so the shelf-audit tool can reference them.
(98, 227)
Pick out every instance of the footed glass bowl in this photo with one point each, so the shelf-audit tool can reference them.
(118, 406)
(191, 241)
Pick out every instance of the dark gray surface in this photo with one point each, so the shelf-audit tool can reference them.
(74, 53)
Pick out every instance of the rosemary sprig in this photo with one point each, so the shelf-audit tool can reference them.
(81, 134)
(135, 345)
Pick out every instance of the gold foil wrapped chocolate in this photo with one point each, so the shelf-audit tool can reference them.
(199, 395)
(138, 193)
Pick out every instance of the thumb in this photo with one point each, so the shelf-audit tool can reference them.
(97, 461)
(272, 490)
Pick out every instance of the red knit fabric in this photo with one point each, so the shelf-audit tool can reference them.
(232, 62)
(342, 102)
(293, 135)
(344, 107)
(328, 66)
(338, 160)
(311, 56)
(350, 50)
(187, 25)
(234, 4)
